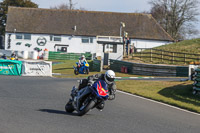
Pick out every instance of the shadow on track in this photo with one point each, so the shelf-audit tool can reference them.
(57, 112)
(182, 93)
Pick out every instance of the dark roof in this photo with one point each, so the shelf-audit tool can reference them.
(88, 23)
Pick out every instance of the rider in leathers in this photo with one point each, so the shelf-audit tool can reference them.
(108, 77)
(81, 61)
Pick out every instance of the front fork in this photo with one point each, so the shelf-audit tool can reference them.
(80, 94)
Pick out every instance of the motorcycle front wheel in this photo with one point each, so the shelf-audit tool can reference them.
(75, 72)
(87, 71)
(69, 107)
(86, 105)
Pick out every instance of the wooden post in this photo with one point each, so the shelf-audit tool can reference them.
(141, 55)
(162, 56)
(128, 49)
(151, 54)
(124, 49)
(173, 58)
(185, 58)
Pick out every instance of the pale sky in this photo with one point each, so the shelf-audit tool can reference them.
(101, 5)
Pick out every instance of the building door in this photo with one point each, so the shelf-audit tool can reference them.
(106, 57)
(61, 48)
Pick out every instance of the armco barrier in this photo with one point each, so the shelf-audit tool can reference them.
(10, 67)
(149, 69)
(96, 65)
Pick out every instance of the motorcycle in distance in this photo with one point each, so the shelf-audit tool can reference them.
(88, 98)
(84, 69)
(14, 58)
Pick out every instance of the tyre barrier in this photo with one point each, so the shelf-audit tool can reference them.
(196, 79)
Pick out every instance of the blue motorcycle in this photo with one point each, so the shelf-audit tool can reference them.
(83, 69)
(88, 98)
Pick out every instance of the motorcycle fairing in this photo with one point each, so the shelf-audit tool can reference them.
(101, 88)
(83, 68)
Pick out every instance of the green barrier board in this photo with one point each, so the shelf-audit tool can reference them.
(10, 67)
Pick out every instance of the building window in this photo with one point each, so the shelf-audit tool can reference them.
(19, 36)
(110, 48)
(55, 38)
(87, 40)
(91, 40)
(23, 36)
(27, 36)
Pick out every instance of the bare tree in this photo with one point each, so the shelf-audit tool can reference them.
(176, 16)
(70, 6)
(61, 6)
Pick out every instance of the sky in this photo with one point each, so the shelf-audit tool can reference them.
(101, 5)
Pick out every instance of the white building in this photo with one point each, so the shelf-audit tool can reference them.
(75, 31)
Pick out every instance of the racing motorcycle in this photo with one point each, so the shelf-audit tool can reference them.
(88, 98)
(84, 69)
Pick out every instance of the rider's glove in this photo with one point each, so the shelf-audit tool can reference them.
(90, 83)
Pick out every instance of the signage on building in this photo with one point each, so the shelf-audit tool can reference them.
(41, 41)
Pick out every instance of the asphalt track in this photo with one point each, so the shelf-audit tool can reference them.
(36, 105)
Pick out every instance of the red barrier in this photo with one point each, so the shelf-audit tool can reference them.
(122, 69)
(125, 70)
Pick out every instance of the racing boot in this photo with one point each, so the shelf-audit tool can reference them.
(112, 94)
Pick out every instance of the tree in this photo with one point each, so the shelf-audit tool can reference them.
(70, 6)
(176, 16)
(4, 9)
(61, 6)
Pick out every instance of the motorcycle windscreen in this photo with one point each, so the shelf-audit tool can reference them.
(101, 88)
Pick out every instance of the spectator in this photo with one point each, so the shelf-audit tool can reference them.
(4, 56)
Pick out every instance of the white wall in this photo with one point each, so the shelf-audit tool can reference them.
(138, 43)
(75, 43)
(118, 55)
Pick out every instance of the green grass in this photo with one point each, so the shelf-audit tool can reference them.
(187, 46)
(174, 93)
(66, 69)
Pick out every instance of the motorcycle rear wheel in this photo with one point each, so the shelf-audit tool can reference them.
(86, 107)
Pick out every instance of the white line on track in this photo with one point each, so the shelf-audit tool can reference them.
(159, 103)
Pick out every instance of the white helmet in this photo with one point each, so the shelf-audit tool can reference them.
(83, 56)
(109, 76)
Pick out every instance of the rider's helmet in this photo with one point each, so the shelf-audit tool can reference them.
(109, 76)
(83, 57)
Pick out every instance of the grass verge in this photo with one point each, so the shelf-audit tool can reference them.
(174, 93)
(65, 67)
